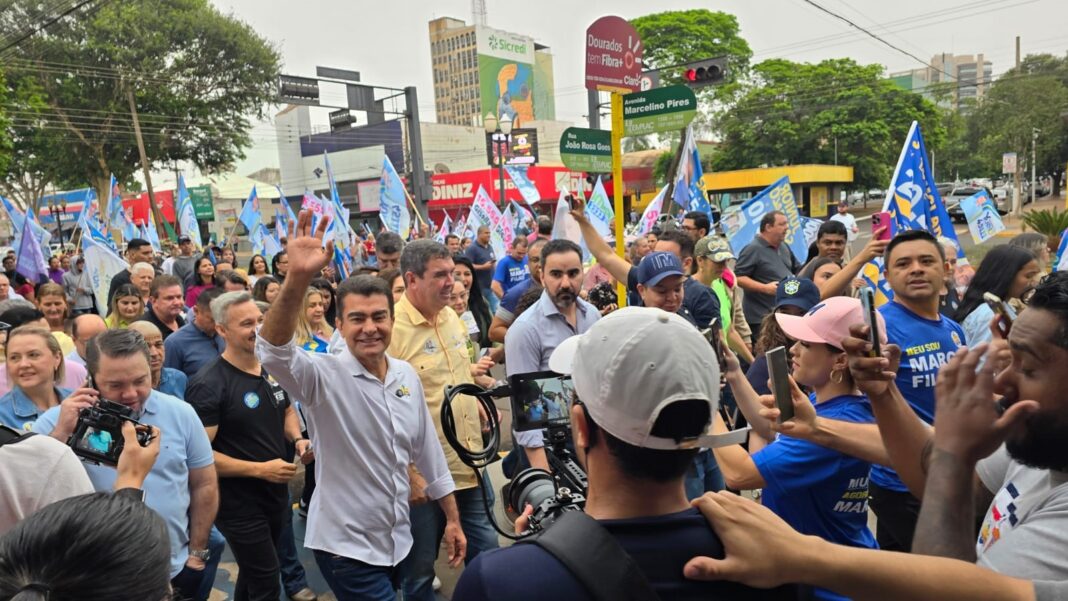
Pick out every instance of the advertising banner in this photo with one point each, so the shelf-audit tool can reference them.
(613, 56)
(203, 208)
(744, 224)
(506, 74)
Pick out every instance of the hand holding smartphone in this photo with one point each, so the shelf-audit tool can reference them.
(867, 298)
(1001, 309)
(882, 220)
(780, 382)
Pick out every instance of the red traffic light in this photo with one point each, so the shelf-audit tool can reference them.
(703, 73)
(691, 75)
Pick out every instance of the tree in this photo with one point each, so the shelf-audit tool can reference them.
(198, 77)
(795, 113)
(1035, 96)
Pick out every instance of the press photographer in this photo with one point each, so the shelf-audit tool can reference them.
(637, 422)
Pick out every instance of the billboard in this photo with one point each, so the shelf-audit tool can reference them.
(521, 148)
(513, 81)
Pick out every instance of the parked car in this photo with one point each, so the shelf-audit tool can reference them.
(945, 188)
(956, 213)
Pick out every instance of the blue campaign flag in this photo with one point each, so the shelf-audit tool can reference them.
(521, 178)
(689, 192)
(30, 260)
(393, 206)
(116, 214)
(250, 211)
(187, 217)
(743, 225)
(288, 216)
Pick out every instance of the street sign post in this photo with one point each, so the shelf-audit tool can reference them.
(587, 150)
(1008, 163)
(203, 208)
(658, 110)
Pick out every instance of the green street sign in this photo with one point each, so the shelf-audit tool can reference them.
(200, 196)
(586, 150)
(658, 110)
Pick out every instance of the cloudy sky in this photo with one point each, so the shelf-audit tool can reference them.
(388, 43)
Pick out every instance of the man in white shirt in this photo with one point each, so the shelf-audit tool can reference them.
(849, 221)
(369, 421)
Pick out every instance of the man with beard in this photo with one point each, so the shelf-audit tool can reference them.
(1009, 455)
(558, 315)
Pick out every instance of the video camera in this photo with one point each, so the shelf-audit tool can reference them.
(98, 435)
(538, 400)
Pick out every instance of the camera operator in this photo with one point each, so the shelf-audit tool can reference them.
(432, 337)
(371, 422)
(558, 315)
(646, 385)
(181, 486)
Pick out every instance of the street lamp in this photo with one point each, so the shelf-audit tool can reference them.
(57, 212)
(501, 132)
(1034, 142)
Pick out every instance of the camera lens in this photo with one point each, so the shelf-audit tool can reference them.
(531, 486)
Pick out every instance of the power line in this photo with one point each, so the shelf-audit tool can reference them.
(46, 24)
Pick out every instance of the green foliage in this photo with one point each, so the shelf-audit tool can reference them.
(660, 168)
(792, 113)
(199, 78)
(1049, 222)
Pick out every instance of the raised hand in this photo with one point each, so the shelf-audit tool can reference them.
(307, 257)
(578, 208)
(873, 375)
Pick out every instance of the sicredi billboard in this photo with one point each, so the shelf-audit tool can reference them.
(513, 82)
(502, 44)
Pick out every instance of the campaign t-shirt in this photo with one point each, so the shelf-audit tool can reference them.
(250, 414)
(510, 272)
(926, 345)
(660, 546)
(818, 490)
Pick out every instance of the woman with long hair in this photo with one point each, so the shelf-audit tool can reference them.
(1006, 271)
(817, 490)
(280, 265)
(126, 307)
(202, 278)
(464, 271)
(257, 268)
(313, 333)
(266, 289)
(329, 306)
(96, 546)
(820, 270)
(35, 366)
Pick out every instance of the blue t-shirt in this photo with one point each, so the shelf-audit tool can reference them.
(184, 446)
(816, 489)
(510, 273)
(926, 345)
(480, 255)
(510, 300)
(660, 546)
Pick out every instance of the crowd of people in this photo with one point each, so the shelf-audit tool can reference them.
(953, 434)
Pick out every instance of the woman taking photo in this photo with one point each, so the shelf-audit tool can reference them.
(202, 278)
(817, 490)
(34, 367)
(313, 333)
(126, 307)
(257, 268)
(1006, 271)
(266, 289)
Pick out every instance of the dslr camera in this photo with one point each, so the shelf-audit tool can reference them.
(542, 400)
(98, 435)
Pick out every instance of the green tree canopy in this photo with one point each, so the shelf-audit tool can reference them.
(199, 78)
(796, 113)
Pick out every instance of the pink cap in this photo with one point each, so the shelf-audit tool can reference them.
(828, 322)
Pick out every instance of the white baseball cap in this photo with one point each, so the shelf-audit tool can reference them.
(633, 363)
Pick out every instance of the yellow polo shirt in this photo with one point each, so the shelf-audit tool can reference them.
(438, 352)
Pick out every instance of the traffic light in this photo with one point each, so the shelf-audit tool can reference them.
(704, 73)
(298, 90)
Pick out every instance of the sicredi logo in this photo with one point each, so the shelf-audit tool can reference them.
(504, 45)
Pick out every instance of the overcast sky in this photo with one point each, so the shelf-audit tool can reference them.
(388, 42)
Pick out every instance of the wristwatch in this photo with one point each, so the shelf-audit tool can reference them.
(201, 554)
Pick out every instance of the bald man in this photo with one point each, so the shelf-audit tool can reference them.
(164, 379)
(82, 330)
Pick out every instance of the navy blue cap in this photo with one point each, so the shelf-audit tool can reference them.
(657, 266)
(798, 292)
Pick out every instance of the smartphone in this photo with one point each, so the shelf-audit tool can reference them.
(883, 219)
(780, 383)
(1001, 309)
(539, 399)
(867, 299)
(713, 333)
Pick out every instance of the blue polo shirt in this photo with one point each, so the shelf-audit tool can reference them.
(18, 412)
(173, 382)
(189, 349)
(818, 490)
(510, 273)
(184, 447)
(926, 345)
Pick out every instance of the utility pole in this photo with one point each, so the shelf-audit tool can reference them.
(1017, 191)
(1034, 142)
(158, 218)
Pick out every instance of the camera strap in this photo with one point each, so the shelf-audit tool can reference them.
(11, 436)
(595, 558)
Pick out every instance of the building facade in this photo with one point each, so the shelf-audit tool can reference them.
(969, 77)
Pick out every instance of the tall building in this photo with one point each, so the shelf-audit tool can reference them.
(480, 70)
(971, 74)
